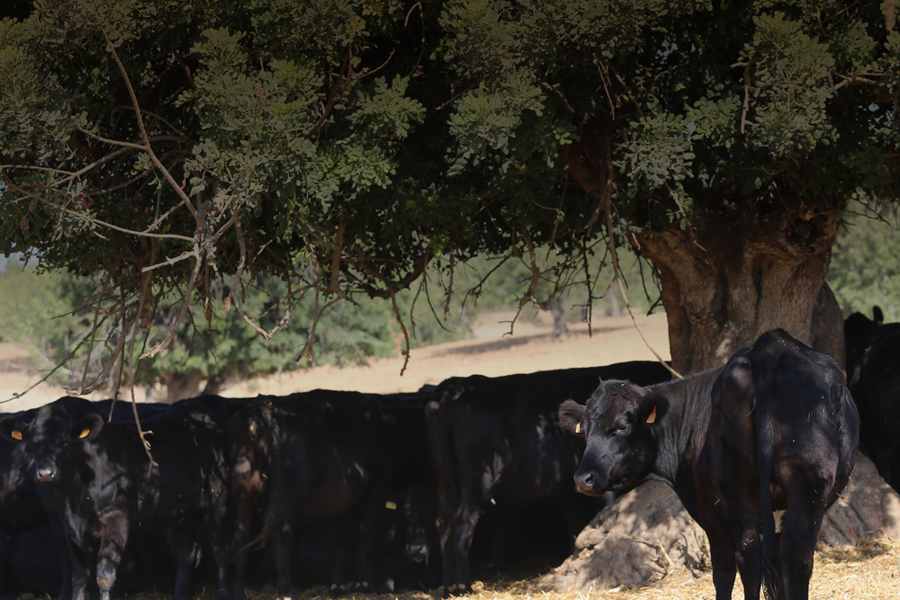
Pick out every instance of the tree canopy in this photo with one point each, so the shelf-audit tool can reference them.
(346, 145)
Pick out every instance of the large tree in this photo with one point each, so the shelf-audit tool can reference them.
(347, 145)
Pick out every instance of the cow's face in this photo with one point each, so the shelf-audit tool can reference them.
(44, 437)
(620, 448)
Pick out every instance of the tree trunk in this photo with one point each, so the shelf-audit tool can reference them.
(724, 290)
(558, 310)
(182, 385)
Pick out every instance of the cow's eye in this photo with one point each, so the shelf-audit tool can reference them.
(16, 435)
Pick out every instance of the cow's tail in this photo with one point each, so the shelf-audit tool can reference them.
(768, 542)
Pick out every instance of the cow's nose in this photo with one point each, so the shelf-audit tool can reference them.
(585, 482)
(45, 474)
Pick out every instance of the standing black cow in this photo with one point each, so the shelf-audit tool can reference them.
(774, 429)
(876, 389)
(495, 442)
(874, 379)
(345, 456)
(95, 476)
(859, 333)
(31, 557)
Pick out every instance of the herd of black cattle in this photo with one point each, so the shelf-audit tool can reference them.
(370, 491)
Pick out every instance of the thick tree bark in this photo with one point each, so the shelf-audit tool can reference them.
(724, 289)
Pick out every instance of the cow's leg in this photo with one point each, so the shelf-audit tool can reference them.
(749, 560)
(184, 550)
(284, 546)
(467, 520)
(802, 521)
(220, 556)
(371, 533)
(6, 546)
(722, 553)
(113, 537)
(444, 526)
(884, 456)
(240, 541)
(78, 573)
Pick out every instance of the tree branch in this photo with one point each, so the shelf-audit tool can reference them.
(147, 147)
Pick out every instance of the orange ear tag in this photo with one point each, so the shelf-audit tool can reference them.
(84, 433)
(651, 418)
(16, 435)
(577, 427)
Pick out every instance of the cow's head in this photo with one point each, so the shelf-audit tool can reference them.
(45, 437)
(859, 332)
(620, 447)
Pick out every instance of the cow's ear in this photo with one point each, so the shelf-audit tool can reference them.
(10, 430)
(653, 407)
(877, 315)
(571, 417)
(89, 427)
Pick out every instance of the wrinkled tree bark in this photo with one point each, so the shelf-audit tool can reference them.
(723, 290)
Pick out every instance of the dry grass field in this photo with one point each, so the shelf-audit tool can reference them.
(871, 572)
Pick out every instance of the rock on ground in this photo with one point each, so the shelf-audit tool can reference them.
(648, 534)
(639, 539)
(867, 509)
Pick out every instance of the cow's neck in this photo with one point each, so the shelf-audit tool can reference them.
(681, 431)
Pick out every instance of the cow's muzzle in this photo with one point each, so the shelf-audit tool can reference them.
(588, 483)
(45, 474)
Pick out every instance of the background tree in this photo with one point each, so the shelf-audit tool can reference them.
(345, 145)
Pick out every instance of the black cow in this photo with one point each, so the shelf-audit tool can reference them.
(495, 443)
(774, 429)
(346, 456)
(859, 333)
(96, 477)
(31, 557)
(876, 388)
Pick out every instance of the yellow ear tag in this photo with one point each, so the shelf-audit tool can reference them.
(84, 433)
(651, 418)
(577, 427)
(390, 505)
(16, 435)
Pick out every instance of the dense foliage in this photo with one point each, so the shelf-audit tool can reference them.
(168, 145)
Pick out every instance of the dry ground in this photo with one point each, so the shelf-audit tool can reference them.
(491, 352)
(868, 573)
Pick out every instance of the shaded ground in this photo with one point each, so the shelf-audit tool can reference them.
(869, 572)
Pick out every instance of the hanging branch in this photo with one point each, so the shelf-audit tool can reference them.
(431, 304)
(475, 291)
(589, 305)
(147, 146)
(406, 350)
(618, 277)
(528, 296)
(58, 366)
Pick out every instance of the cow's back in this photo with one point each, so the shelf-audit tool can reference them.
(508, 428)
(803, 412)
